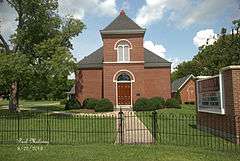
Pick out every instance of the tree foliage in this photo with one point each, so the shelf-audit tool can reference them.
(211, 58)
(43, 42)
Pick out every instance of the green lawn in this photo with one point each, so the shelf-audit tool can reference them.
(179, 127)
(114, 153)
(37, 105)
(81, 131)
(56, 128)
(184, 110)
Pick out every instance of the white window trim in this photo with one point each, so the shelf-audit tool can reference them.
(129, 44)
(123, 70)
(128, 54)
(222, 98)
(116, 44)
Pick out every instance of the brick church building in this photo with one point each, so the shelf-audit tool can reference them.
(122, 70)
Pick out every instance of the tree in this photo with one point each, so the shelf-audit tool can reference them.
(211, 58)
(14, 71)
(43, 38)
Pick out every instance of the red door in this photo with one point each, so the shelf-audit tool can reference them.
(124, 93)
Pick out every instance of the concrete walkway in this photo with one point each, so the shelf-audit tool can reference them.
(134, 131)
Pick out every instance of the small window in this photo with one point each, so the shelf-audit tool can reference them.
(123, 53)
(123, 77)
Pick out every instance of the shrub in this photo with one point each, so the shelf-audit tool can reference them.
(157, 103)
(63, 102)
(172, 103)
(89, 103)
(142, 104)
(178, 97)
(72, 104)
(104, 105)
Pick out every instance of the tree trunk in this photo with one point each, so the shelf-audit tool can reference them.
(13, 102)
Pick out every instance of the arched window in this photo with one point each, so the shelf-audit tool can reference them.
(123, 77)
(123, 52)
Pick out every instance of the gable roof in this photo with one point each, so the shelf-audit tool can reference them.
(179, 83)
(95, 60)
(122, 24)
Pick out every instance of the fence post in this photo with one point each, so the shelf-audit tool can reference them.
(154, 126)
(48, 129)
(121, 131)
(18, 124)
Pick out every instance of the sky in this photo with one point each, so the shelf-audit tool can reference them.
(175, 28)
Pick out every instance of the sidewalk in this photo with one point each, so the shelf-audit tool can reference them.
(134, 131)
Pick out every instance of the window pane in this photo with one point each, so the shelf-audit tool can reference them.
(124, 77)
(120, 53)
(126, 54)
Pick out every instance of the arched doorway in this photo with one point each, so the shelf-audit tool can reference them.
(124, 81)
(124, 89)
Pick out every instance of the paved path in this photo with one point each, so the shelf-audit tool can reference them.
(134, 131)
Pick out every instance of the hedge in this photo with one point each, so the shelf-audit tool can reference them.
(157, 103)
(142, 104)
(104, 105)
(89, 103)
(72, 104)
(172, 103)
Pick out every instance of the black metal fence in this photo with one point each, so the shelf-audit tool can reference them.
(57, 128)
(120, 128)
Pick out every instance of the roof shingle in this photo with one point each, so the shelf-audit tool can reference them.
(180, 82)
(95, 60)
(122, 24)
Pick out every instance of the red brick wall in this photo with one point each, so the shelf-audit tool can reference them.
(136, 53)
(157, 82)
(148, 82)
(110, 70)
(89, 84)
(187, 92)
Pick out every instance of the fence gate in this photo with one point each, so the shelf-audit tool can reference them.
(132, 130)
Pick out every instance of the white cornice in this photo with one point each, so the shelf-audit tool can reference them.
(230, 67)
(130, 62)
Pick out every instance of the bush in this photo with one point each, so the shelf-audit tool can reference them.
(178, 97)
(63, 102)
(172, 103)
(142, 104)
(89, 103)
(104, 105)
(72, 104)
(157, 103)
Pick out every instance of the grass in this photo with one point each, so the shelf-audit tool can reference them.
(37, 105)
(56, 128)
(179, 127)
(114, 153)
(80, 131)
(184, 110)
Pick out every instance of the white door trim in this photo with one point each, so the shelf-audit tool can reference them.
(117, 105)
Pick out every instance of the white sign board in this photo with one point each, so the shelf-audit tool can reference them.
(210, 95)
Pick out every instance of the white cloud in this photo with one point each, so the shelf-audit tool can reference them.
(186, 12)
(160, 50)
(80, 8)
(156, 48)
(7, 20)
(77, 9)
(175, 62)
(204, 36)
(208, 10)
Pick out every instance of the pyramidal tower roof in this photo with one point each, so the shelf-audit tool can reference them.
(122, 25)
